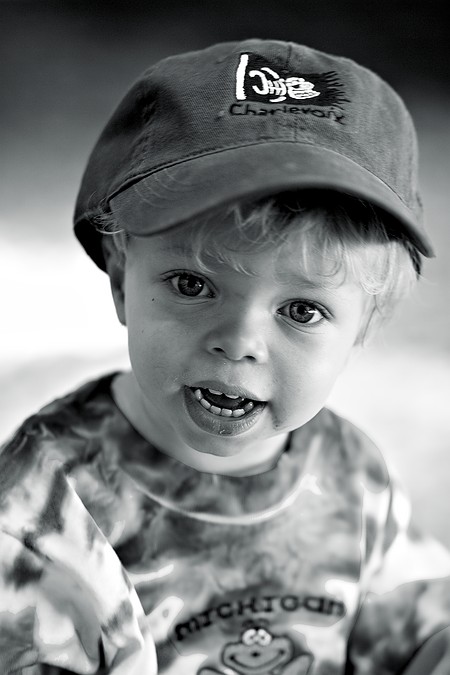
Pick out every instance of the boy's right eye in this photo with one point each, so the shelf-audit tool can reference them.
(190, 285)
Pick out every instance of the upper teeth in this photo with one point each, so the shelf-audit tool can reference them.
(221, 393)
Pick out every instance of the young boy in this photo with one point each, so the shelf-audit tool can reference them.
(256, 208)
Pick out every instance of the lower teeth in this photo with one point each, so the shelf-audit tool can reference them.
(223, 412)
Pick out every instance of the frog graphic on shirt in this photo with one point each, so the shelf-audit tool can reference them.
(260, 652)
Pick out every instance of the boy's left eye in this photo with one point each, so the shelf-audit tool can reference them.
(190, 285)
(302, 312)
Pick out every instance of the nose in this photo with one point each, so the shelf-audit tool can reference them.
(239, 340)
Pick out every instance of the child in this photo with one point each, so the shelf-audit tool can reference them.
(256, 208)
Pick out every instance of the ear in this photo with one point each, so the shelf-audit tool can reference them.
(115, 260)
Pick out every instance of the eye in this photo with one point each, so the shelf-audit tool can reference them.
(302, 312)
(190, 285)
(264, 637)
(249, 637)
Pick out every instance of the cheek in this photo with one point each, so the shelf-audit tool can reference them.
(306, 376)
(154, 362)
(332, 360)
(150, 342)
(159, 347)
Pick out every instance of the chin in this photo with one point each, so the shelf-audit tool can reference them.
(223, 447)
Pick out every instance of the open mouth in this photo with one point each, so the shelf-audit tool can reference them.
(225, 405)
(220, 413)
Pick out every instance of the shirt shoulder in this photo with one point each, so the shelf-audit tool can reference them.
(39, 463)
(73, 443)
(58, 432)
(349, 451)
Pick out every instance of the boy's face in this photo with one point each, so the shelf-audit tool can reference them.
(274, 341)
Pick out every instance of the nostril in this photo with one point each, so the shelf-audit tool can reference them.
(233, 356)
(255, 654)
(242, 347)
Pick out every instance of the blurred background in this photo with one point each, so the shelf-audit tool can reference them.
(63, 67)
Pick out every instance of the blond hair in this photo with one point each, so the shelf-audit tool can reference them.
(348, 236)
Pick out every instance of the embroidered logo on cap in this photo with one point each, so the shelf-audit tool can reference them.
(270, 85)
(256, 80)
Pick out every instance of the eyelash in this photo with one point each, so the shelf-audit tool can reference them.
(305, 303)
(171, 280)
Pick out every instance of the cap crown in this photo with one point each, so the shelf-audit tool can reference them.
(312, 118)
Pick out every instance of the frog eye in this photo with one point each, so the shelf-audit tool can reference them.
(264, 637)
(249, 637)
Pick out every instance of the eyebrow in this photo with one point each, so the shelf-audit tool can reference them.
(171, 247)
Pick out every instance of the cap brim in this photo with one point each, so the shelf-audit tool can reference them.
(158, 201)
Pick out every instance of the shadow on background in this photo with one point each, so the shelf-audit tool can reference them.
(64, 66)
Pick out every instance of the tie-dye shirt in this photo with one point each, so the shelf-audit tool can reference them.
(115, 558)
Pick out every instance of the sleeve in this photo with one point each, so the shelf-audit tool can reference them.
(65, 600)
(19, 574)
(404, 618)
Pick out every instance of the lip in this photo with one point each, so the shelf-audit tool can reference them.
(233, 389)
(218, 425)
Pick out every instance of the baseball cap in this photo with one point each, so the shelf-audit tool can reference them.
(244, 120)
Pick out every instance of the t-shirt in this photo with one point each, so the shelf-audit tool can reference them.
(115, 558)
